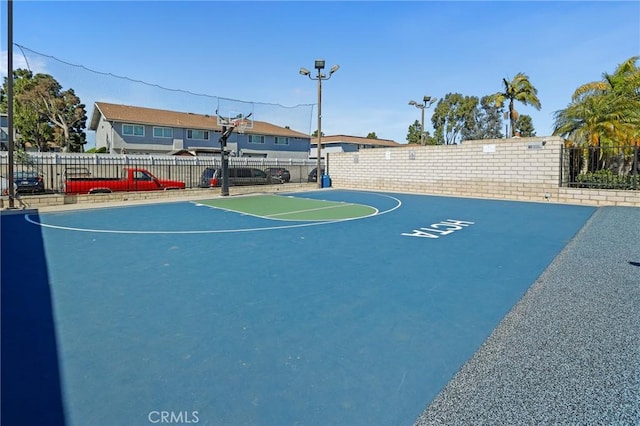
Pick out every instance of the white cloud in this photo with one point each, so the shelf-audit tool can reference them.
(20, 61)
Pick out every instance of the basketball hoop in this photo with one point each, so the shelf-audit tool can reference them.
(240, 125)
(238, 122)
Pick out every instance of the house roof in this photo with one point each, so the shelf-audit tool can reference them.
(338, 139)
(160, 117)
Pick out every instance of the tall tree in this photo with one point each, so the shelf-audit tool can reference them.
(62, 109)
(428, 139)
(524, 126)
(605, 112)
(518, 89)
(372, 135)
(44, 112)
(413, 136)
(29, 122)
(68, 114)
(452, 115)
(485, 123)
(491, 116)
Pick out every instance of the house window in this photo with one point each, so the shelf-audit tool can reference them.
(4, 121)
(132, 130)
(256, 139)
(282, 140)
(3, 135)
(162, 132)
(202, 135)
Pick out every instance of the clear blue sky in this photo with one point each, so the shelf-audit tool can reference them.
(388, 52)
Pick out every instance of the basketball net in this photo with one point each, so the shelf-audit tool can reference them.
(240, 125)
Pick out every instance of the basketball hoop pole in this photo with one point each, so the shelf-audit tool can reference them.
(224, 191)
(224, 156)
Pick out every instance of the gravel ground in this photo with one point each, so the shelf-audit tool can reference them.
(569, 351)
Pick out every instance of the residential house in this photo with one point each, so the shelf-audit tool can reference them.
(140, 130)
(344, 143)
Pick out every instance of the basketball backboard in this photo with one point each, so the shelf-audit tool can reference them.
(238, 114)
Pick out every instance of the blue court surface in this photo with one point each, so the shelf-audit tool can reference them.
(209, 315)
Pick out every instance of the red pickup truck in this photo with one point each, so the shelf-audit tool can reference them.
(134, 180)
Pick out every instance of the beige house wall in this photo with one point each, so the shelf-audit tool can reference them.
(524, 169)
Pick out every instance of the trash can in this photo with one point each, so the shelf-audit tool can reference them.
(326, 181)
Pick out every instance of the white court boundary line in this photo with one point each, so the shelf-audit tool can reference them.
(212, 231)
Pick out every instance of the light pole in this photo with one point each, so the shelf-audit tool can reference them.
(319, 65)
(10, 133)
(427, 103)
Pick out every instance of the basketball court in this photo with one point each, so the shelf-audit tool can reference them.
(327, 307)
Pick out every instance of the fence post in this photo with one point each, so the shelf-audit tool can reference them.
(635, 166)
(561, 177)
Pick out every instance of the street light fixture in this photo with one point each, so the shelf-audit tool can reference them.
(428, 101)
(319, 66)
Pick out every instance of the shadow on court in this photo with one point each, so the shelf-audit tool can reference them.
(31, 392)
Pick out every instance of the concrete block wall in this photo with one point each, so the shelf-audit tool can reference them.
(599, 197)
(525, 169)
(521, 169)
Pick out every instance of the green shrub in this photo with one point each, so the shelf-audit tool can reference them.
(606, 179)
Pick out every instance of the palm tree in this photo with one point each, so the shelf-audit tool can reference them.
(603, 113)
(593, 122)
(625, 81)
(519, 89)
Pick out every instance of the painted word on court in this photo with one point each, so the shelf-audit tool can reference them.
(440, 229)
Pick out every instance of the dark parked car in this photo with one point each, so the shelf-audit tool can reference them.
(313, 176)
(212, 176)
(279, 173)
(27, 181)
